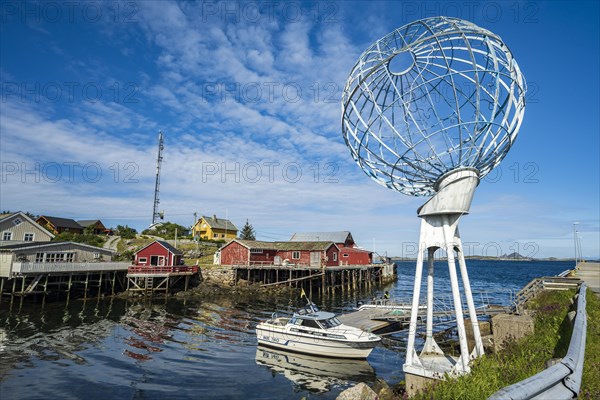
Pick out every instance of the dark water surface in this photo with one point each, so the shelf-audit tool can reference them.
(123, 349)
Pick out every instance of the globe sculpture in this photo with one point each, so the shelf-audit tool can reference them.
(429, 110)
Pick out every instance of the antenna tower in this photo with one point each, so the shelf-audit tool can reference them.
(155, 213)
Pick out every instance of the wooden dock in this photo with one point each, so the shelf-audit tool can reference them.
(322, 279)
(370, 320)
(148, 280)
(86, 278)
(386, 318)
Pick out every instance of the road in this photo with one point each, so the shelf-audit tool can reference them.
(590, 273)
(111, 243)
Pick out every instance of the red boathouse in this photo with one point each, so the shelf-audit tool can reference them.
(158, 254)
(253, 252)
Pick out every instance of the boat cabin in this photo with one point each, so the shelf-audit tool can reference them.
(318, 320)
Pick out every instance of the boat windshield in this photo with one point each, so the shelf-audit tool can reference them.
(330, 323)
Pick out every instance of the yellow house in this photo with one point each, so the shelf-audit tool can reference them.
(214, 228)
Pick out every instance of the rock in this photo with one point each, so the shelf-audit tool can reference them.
(383, 390)
(358, 392)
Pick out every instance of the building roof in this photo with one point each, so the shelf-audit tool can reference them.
(284, 246)
(335, 237)
(354, 250)
(164, 244)
(62, 222)
(33, 245)
(219, 223)
(87, 222)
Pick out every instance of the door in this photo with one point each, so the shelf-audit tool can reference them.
(277, 260)
(315, 258)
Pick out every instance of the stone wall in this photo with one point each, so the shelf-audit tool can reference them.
(222, 275)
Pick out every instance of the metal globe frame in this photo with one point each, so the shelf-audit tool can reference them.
(459, 103)
(429, 110)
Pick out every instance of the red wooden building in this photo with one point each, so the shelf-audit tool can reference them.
(245, 252)
(158, 254)
(158, 267)
(355, 256)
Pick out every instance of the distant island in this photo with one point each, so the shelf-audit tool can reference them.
(505, 257)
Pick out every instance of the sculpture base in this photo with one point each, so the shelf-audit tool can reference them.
(416, 383)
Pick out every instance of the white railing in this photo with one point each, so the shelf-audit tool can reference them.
(19, 268)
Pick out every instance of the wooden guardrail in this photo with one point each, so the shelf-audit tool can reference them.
(538, 284)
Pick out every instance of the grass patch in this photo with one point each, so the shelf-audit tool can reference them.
(520, 359)
(590, 384)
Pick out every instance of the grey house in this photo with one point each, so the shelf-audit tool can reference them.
(50, 257)
(20, 228)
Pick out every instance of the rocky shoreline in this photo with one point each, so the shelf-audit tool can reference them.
(210, 287)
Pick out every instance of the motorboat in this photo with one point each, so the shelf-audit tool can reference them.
(312, 331)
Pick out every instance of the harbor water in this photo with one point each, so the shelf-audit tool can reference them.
(204, 349)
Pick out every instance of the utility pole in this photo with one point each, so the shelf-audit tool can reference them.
(155, 213)
(575, 241)
(196, 238)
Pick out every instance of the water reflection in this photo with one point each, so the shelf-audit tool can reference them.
(312, 373)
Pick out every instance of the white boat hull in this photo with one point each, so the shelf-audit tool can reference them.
(280, 338)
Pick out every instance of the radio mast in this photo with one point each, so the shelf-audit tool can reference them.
(155, 213)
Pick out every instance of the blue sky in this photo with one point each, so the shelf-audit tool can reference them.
(248, 97)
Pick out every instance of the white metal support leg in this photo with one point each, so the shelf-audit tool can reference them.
(439, 229)
(431, 347)
(463, 365)
(478, 350)
(411, 355)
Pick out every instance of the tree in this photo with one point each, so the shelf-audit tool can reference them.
(127, 255)
(247, 232)
(92, 240)
(167, 231)
(89, 230)
(126, 232)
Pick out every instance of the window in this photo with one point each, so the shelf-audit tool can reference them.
(28, 237)
(70, 257)
(39, 257)
(96, 256)
(215, 235)
(330, 323)
(222, 235)
(311, 323)
(7, 236)
(55, 257)
(345, 255)
(256, 251)
(334, 256)
(295, 255)
(142, 260)
(17, 221)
